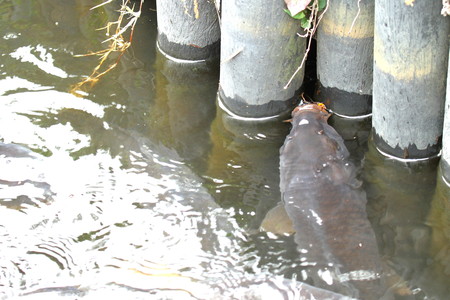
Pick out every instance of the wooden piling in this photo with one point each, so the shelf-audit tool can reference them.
(260, 51)
(189, 29)
(345, 57)
(410, 54)
(445, 161)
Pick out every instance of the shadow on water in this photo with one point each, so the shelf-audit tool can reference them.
(143, 188)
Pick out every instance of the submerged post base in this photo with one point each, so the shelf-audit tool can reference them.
(410, 153)
(240, 109)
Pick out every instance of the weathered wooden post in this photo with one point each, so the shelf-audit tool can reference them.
(188, 29)
(260, 51)
(445, 161)
(410, 53)
(345, 57)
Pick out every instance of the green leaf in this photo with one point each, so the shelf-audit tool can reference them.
(305, 23)
(322, 4)
(288, 12)
(298, 16)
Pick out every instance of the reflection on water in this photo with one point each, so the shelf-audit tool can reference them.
(436, 278)
(120, 227)
(243, 166)
(184, 107)
(399, 195)
(142, 188)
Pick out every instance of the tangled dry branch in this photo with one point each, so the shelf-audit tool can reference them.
(117, 44)
(314, 19)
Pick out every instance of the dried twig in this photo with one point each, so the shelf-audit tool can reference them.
(356, 17)
(314, 19)
(233, 55)
(118, 44)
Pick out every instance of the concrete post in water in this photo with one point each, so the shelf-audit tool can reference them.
(445, 161)
(345, 57)
(260, 51)
(188, 29)
(409, 79)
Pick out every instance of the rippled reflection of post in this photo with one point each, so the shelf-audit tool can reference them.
(399, 195)
(437, 275)
(243, 165)
(436, 278)
(185, 92)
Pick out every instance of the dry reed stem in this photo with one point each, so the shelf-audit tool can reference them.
(314, 19)
(118, 44)
(356, 17)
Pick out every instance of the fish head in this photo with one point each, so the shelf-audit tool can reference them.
(316, 108)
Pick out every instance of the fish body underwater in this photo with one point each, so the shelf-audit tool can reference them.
(327, 207)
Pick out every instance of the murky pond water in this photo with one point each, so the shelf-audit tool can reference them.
(142, 188)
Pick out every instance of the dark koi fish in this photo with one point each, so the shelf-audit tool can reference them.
(327, 208)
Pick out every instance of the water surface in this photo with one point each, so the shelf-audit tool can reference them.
(143, 188)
